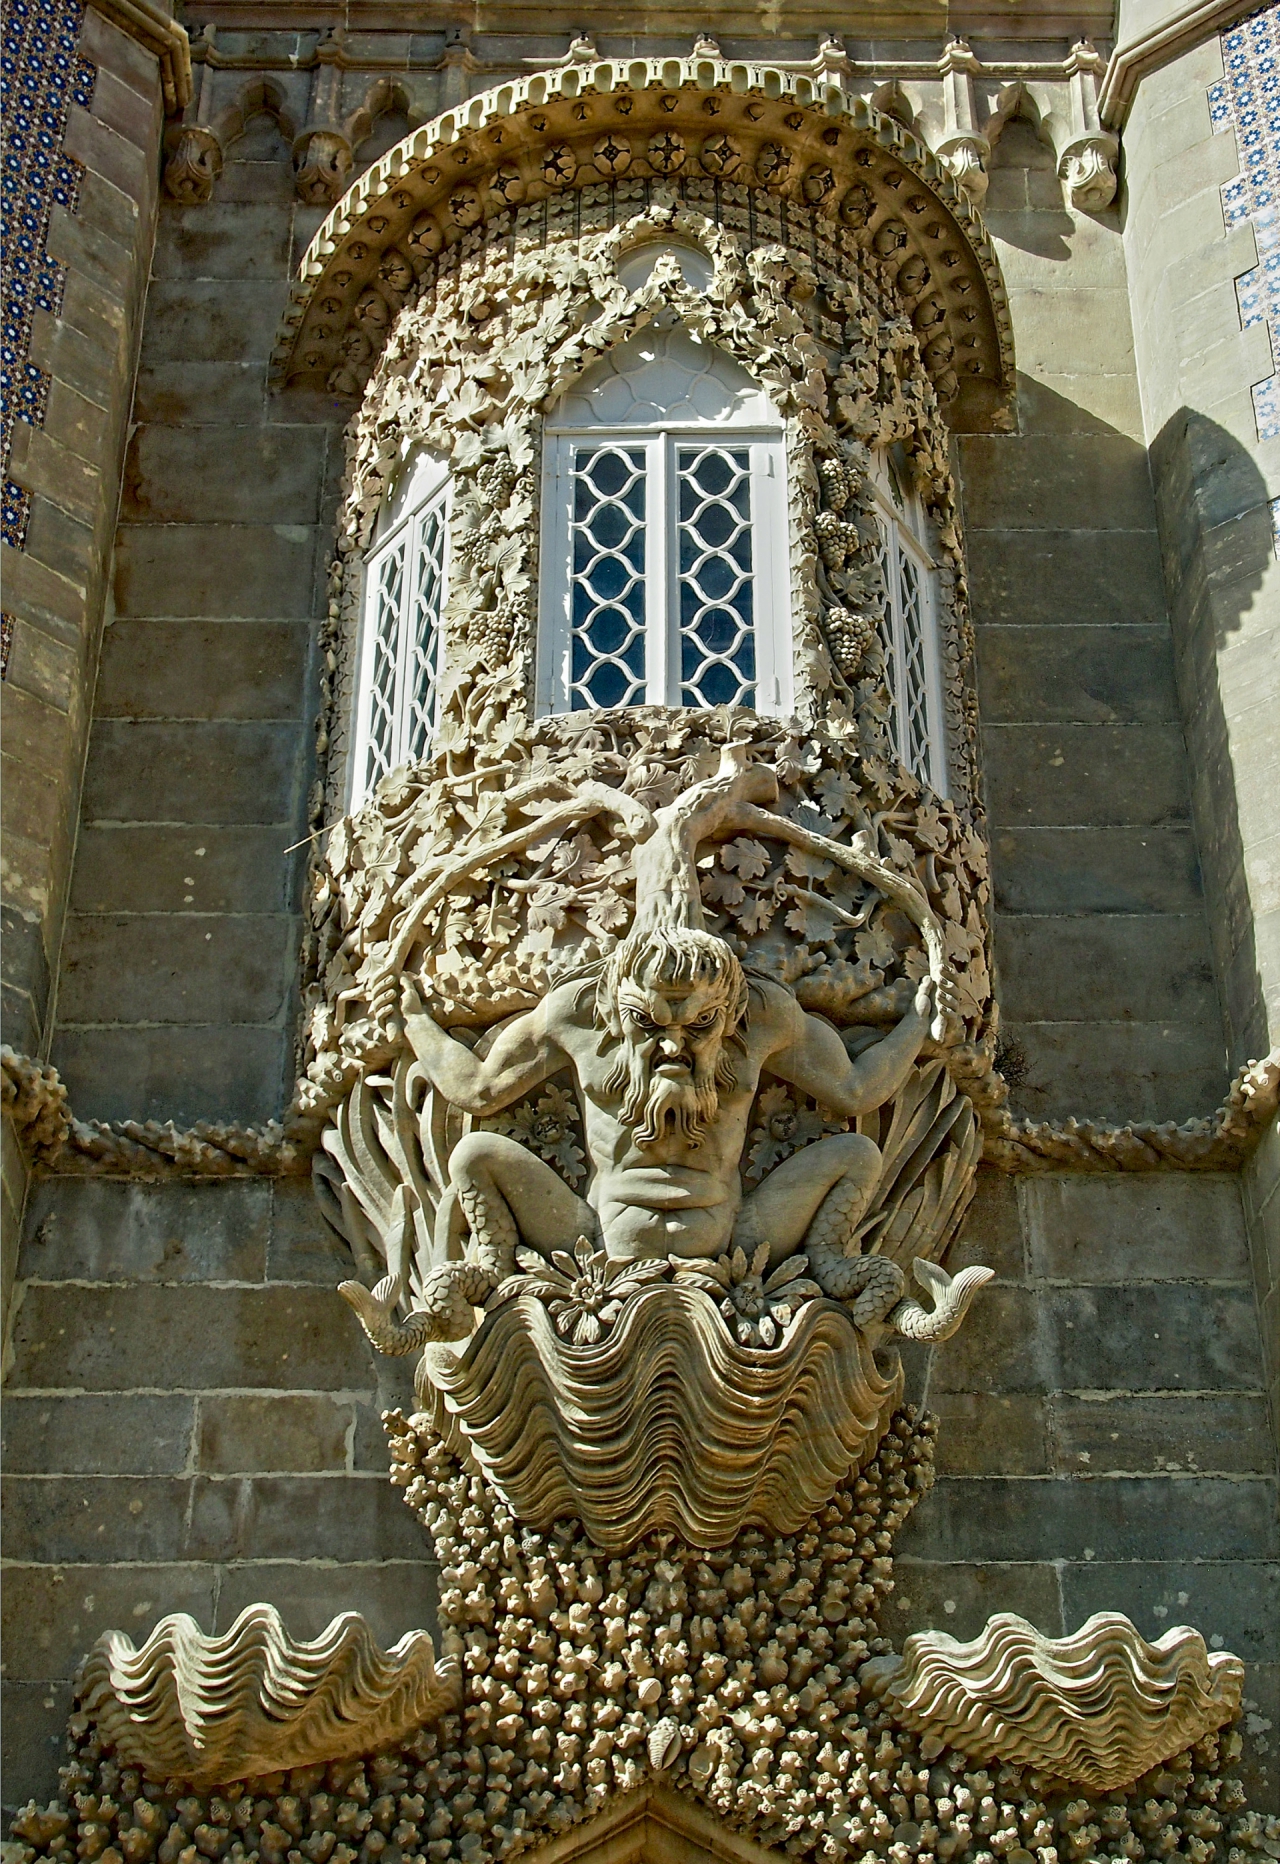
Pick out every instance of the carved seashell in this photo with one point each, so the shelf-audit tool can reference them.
(665, 1423)
(1098, 1708)
(664, 1743)
(210, 1709)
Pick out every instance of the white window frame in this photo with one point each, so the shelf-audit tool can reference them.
(903, 526)
(424, 494)
(771, 596)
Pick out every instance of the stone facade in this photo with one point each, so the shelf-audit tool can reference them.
(191, 1414)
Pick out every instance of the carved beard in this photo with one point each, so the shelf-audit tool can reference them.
(690, 1108)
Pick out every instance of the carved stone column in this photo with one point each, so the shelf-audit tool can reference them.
(1087, 163)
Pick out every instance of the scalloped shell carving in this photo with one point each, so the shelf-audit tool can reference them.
(1098, 1708)
(209, 1709)
(665, 1424)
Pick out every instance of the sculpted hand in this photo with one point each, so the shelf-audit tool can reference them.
(382, 1002)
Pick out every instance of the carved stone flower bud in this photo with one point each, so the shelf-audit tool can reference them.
(559, 166)
(425, 236)
(720, 155)
(612, 154)
(667, 152)
(465, 207)
(772, 164)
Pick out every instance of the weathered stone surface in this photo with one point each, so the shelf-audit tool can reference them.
(303, 1248)
(52, 1614)
(1058, 576)
(222, 320)
(1083, 675)
(250, 1433)
(1096, 870)
(342, 1518)
(221, 474)
(80, 1519)
(225, 572)
(199, 670)
(1155, 1338)
(987, 1435)
(1065, 775)
(1006, 1352)
(1211, 1433)
(395, 1596)
(959, 1596)
(1057, 1518)
(1108, 967)
(105, 1230)
(187, 968)
(219, 772)
(1236, 1606)
(153, 1338)
(152, 868)
(1117, 1071)
(161, 1073)
(96, 1435)
(1136, 1229)
(224, 239)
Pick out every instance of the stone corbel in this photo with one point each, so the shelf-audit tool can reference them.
(195, 157)
(963, 148)
(1087, 164)
(322, 153)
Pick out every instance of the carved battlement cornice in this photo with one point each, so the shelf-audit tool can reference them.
(735, 125)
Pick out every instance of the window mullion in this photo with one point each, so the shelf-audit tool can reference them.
(404, 644)
(661, 595)
(898, 625)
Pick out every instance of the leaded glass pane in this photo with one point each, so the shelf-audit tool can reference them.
(607, 595)
(424, 632)
(914, 704)
(381, 695)
(886, 563)
(717, 593)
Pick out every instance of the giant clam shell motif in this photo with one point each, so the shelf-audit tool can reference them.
(1097, 1709)
(211, 1709)
(668, 1423)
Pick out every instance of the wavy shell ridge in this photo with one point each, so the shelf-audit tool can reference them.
(666, 1423)
(211, 1709)
(1098, 1708)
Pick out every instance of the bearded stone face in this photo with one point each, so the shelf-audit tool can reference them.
(673, 1038)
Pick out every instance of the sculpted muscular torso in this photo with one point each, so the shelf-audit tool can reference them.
(667, 1050)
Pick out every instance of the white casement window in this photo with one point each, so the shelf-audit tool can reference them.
(664, 558)
(909, 630)
(405, 584)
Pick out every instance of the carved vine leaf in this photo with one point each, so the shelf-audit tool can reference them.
(558, 897)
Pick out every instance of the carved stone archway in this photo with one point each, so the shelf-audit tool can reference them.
(706, 130)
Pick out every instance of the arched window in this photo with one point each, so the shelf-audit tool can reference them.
(405, 584)
(909, 630)
(664, 550)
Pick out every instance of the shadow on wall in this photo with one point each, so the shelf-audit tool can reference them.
(1112, 955)
(1217, 543)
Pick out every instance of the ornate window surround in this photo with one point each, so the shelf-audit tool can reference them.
(653, 402)
(478, 360)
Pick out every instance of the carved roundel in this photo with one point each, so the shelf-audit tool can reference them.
(689, 125)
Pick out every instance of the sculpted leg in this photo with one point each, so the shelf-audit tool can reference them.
(510, 1196)
(813, 1202)
(817, 1194)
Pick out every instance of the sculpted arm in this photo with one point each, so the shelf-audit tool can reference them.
(522, 1056)
(817, 1062)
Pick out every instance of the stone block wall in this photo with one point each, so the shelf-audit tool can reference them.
(191, 1423)
(1105, 974)
(1105, 1442)
(69, 466)
(177, 997)
(1214, 479)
